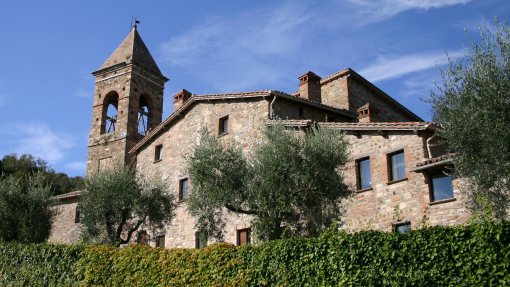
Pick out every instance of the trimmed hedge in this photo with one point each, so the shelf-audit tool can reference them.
(141, 265)
(38, 264)
(475, 255)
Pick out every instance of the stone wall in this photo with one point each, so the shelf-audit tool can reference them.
(290, 110)
(247, 122)
(130, 84)
(335, 93)
(64, 228)
(375, 207)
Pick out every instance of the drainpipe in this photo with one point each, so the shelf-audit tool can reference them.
(428, 144)
(271, 112)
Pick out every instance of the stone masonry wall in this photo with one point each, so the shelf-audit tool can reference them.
(375, 206)
(335, 93)
(64, 228)
(290, 110)
(360, 94)
(246, 120)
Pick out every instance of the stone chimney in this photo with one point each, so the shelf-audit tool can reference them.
(367, 113)
(310, 87)
(180, 98)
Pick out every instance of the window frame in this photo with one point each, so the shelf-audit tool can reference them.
(403, 223)
(431, 188)
(158, 156)
(181, 189)
(221, 125)
(359, 173)
(248, 236)
(200, 240)
(158, 241)
(391, 177)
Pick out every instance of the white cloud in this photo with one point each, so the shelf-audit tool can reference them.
(237, 53)
(79, 165)
(370, 11)
(385, 68)
(38, 140)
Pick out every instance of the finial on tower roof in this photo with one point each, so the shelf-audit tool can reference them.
(136, 22)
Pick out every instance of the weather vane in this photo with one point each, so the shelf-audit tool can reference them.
(136, 22)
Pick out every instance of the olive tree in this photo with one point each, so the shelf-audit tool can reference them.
(118, 201)
(289, 180)
(473, 107)
(26, 212)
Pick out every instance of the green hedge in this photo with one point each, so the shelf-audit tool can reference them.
(38, 264)
(476, 255)
(141, 265)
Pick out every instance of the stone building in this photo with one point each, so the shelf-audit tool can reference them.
(395, 157)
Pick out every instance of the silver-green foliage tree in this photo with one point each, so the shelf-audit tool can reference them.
(289, 180)
(117, 202)
(25, 208)
(473, 107)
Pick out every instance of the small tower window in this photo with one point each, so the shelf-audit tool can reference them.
(143, 116)
(110, 119)
(223, 128)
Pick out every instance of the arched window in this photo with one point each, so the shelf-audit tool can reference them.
(112, 101)
(143, 116)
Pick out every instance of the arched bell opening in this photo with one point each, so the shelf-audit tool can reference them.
(143, 115)
(110, 107)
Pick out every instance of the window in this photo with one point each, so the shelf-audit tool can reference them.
(440, 187)
(200, 240)
(363, 172)
(143, 237)
(404, 227)
(78, 215)
(158, 155)
(397, 166)
(243, 236)
(160, 241)
(223, 125)
(301, 112)
(183, 189)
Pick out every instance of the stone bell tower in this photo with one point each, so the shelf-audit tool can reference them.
(128, 101)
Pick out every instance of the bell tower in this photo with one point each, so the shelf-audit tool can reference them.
(128, 102)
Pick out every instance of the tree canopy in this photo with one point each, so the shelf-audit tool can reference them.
(27, 164)
(25, 208)
(473, 107)
(118, 202)
(289, 180)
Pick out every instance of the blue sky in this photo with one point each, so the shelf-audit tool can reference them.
(49, 48)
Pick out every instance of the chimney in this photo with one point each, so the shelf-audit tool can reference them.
(367, 113)
(310, 87)
(180, 98)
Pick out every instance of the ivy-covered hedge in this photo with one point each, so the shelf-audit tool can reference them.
(141, 265)
(476, 255)
(38, 264)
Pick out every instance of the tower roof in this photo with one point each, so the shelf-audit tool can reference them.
(132, 49)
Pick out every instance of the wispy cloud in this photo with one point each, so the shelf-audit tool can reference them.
(36, 139)
(240, 52)
(377, 10)
(388, 67)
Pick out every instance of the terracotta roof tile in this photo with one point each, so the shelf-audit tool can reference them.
(383, 125)
(436, 159)
(69, 194)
